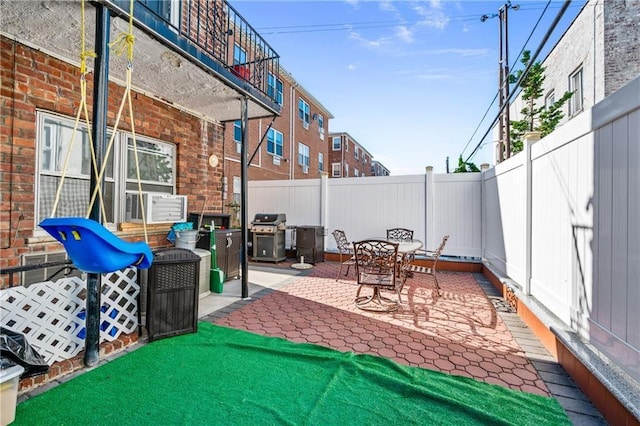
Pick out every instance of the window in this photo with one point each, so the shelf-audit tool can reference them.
(549, 100)
(274, 88)
(156, 164)
(335, 169)
(167, 10)
(274, 142)
(237, 135)
(54, 140)
(320, 162)
(303, 112)
(237, 188)
(356, 172)
(346, 170)
(355, 152)
(575, 86)
(335, 143)
(239, 55)
(321, 126)
(303, 154)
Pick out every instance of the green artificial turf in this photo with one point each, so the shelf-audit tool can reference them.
(232, 377)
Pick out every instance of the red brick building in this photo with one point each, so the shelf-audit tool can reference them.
(291, 146)
(347, 158)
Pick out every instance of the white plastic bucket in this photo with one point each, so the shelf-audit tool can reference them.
(186, 239)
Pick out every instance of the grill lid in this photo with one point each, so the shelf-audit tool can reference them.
(269, 218)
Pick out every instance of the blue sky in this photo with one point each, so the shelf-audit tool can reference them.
(409, 80)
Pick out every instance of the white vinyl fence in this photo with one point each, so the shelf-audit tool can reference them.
(432, 205)
(561, 219)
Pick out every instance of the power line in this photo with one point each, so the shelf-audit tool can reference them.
(513, 66)
(348, 26)
(525, 72)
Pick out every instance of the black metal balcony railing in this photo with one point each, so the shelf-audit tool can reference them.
(215, 34)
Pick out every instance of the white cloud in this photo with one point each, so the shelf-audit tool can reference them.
(432, 17)
(404, 34)
(372, 44)
(351, 67)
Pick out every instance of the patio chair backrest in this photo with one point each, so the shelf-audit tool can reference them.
(400, 234)
(376, 263)
(341, 241)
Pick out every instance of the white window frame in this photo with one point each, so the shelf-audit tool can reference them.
(239, 55)
(304, 112)
(303, 154)
(346, 169)
(237, 125)
(320, 162)
(550, 99)
(355, 152)
(275, 138)
(121, 183)
(336, 168)
(272, 88)
(334, 146)
(576, 102)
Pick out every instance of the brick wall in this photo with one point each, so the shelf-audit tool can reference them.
(262, 167)
(622, 43)
(32, 81)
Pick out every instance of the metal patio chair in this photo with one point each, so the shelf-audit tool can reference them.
(346, 251)
(377, 269)
(432, 255)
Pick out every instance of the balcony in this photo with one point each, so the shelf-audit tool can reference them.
(198, 55)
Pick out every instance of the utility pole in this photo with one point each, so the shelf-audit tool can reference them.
(504, 139)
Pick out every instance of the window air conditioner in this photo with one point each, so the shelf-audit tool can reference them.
(276, 160)
(159, 208)
(305, 169)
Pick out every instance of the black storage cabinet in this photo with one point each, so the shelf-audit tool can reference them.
(172, 293)
(310, 243)
(228, 242)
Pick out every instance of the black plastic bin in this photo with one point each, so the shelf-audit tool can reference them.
(310, 243)
(172, 293)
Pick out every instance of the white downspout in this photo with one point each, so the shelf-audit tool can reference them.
(292, 127)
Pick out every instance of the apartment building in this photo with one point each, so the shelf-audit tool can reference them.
(378, 169)
(291, 145)
(347, 157)
(596, 56)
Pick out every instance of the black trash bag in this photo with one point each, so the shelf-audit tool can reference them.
(15, 347)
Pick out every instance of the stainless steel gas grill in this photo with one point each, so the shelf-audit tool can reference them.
(269, 236)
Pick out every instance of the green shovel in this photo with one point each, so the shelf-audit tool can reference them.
(216, 279)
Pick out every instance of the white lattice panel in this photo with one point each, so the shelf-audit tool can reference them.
(51, 314)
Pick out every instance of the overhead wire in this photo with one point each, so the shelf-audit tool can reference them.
(512, 67)
(524, 72)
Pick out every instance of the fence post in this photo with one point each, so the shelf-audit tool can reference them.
(428, 207)
(529, 139)
(324, 202)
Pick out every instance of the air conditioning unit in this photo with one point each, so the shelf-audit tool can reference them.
(158, 208)
(276, 160)
(305, 169)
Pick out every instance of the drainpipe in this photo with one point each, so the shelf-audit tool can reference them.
(98, 133)
(292, 129)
